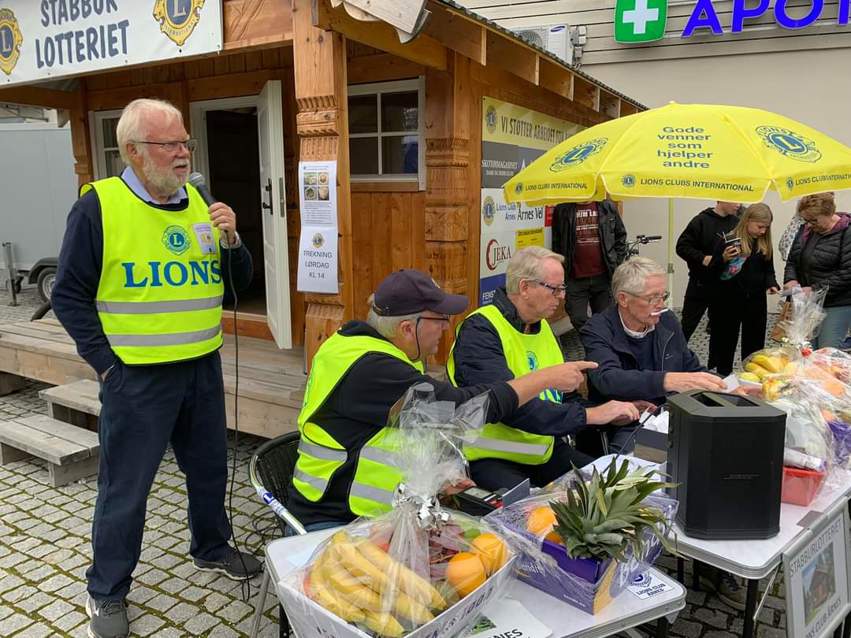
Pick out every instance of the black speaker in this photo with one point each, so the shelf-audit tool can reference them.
(726, 453)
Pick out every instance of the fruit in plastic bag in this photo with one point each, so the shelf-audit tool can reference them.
(491, 550)
(465, 572)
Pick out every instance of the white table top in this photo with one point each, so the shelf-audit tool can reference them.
(627, 610)
(755, 559)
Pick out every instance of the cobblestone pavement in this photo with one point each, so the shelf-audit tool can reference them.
(45, 537)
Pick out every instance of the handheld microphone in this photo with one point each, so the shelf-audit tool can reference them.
(200, 184)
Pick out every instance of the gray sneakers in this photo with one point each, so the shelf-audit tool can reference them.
(235, 565)
(108, 618)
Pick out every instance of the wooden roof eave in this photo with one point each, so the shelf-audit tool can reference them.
(449, 29)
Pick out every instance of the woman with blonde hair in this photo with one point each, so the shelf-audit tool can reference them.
(743, 273)
(820, 257)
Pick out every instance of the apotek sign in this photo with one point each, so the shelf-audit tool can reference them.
(646, 20)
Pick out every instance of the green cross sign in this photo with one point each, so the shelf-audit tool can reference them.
(640, 20)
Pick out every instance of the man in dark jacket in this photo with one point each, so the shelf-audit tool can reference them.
(507, 340)
(592, 239)
(642, 354)
(695, 246)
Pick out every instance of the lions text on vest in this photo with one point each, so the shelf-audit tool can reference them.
(155, 274)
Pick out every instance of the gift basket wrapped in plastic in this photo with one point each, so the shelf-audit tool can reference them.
(812, 388)
(418, 569)
(591, 533)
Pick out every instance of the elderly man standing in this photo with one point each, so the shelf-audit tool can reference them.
(142, 272)
(359, 373)
(506, 340)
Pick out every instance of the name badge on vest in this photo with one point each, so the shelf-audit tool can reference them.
(204, 234)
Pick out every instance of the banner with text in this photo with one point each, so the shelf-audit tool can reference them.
(512, 137)
(55, 38)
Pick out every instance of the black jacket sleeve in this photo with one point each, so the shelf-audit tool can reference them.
(558, 230)
(770, 276)
(479, 358)
(839, 281)
(689, 245)
(620, 237)
(790, 273)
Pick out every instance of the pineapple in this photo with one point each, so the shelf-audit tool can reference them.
(605, 517)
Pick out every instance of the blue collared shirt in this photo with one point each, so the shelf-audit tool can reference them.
(132, 180)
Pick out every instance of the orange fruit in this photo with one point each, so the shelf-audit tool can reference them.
(491, 551)
(465, 572)
(541, 520)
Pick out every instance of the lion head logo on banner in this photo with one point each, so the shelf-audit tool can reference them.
(178, 18)
(10, 41)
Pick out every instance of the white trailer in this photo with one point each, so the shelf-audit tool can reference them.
(38, 187)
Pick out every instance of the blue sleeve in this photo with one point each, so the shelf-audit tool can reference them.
(609, 378)
(479, 359)
(77, 280)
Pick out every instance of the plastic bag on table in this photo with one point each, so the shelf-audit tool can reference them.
(804, 319)
(589, 568)
(418, 569)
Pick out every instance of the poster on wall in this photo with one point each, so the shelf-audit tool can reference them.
(56, 38)
(512, 137)
(816, 576)
(317, 246)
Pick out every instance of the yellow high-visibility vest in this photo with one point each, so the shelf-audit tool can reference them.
(524, 353)
(159, 299)
(320, 455)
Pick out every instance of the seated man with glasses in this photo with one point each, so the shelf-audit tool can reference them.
(639, 347)
(344, 466)
(506, 340)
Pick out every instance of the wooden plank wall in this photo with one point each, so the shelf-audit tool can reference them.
(234, 75)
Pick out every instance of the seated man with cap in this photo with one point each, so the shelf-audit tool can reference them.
(358, 374)
(506, 340)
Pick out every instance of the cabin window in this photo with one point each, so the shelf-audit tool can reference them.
(105, 144)
(386, 131)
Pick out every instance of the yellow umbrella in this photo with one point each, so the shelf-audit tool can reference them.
(701, 151)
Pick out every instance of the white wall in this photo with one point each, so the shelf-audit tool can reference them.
(810, 86)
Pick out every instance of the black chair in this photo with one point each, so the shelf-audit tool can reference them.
(270, 472)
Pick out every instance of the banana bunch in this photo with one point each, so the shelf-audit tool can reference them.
(359, 582)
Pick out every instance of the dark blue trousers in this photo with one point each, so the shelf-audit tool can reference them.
(143, 409)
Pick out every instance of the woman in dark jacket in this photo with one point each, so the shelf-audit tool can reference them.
(820, 257)
(743, 271)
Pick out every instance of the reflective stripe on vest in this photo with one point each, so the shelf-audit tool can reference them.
(523, 354)
(376, 472)
(159, 298)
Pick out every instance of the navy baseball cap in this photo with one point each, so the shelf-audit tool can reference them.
(409, 291)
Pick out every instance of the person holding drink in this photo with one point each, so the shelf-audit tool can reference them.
(743, 271)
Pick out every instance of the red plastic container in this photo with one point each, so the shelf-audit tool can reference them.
(800, 486)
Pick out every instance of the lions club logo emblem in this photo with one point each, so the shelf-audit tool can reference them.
(578, 154)
(531, 360)
(488, 210)
(178, 18)
(176, 239)
(788, 143)
(318, 240)
(10, 41)
(628, 181)
(490, 119)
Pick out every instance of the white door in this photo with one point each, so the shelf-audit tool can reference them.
(270, 123)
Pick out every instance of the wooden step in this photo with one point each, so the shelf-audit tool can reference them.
(71, 452)
(76, 403)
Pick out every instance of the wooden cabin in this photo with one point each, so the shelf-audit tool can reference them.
(304, 81)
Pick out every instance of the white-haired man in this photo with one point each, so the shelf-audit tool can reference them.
(142, 272)
(642, 354)
(358, 374)
(506, 340)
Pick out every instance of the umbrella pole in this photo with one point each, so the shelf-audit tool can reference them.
(671, 248)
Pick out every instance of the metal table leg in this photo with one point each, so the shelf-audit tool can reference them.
(662, 627)
(261, 602)
(846, 627)
(750, 608)
(681, 569)
(695, 575)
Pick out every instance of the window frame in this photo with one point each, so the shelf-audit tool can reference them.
(378, 88)
(96, 119)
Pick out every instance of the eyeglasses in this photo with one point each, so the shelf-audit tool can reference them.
(558, 291)
(653, 300)
(172, 147)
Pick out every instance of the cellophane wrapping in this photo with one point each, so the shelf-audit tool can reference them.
(419, 569)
